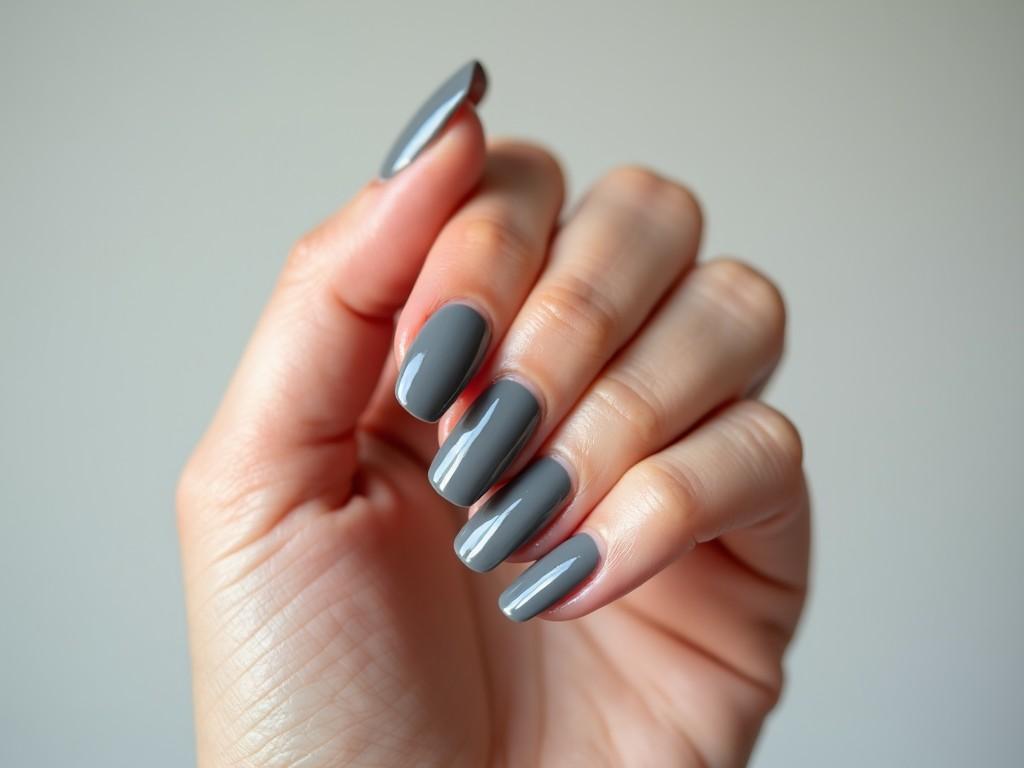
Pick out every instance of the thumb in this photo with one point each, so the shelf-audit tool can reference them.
(319, 348)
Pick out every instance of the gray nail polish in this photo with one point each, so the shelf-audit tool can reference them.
(484, 442)
(550, 579)
(441, 361)
(512, 515)
(468, 83)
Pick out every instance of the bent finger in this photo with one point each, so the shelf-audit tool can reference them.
(320, 344)
(634, 234)
(476, 276)
(740, 469)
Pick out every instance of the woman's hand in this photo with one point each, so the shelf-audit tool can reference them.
(331, 623)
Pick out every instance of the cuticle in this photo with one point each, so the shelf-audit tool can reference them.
(473, 304)
(467, 302)
(526, 384)
(589, 583)
(599, 543)
(570, 471)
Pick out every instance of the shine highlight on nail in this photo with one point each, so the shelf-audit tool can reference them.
(468, 83)
(511, 517)
(441, 361)
(487, 438)
(550, 579)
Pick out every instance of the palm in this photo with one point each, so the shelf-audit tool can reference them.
(348, 633)
(331, 622)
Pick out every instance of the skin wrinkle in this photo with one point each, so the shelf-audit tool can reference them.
(725, 285)
(287, 505)
(770, 453)
(277, 646)
(664, 715)
(272, 740)
(799, 589)
(248, 503)
(349, 634)
(678, 493)
(301, 559)
(635, 404)
(292, 674)
(769, 691)
(229, 613)
(493, 233)
(582, 313)
(339, 626)
(621, 683)
(373, 662)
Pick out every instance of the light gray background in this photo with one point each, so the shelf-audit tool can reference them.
(156, 161)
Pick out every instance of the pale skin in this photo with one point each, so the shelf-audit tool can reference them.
(330, 622)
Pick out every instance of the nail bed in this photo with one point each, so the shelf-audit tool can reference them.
(550, 579)
(443, 358)
(486, 440)
(517, 511)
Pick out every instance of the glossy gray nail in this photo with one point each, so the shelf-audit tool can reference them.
(469, 83)
(512, 515)
(550, 579)
(441, 361)
(484, 442)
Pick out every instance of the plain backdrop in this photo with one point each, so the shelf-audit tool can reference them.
(157, 160)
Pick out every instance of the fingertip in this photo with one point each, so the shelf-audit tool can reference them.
(467, 85)
(381, 239)
(414, 204)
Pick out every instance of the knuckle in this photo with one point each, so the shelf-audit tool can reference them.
(547, 163)
(749, 296)
(634, 404)
(661, 206)
(775, 434)
(632, 181)
(218, 480)
(493, 236)
(578, 311)
(306, 249)
(677, 204)
(188, 492)
(301, 253)
(675, 491)
(538, 159)
(303, 259)
(645, 188)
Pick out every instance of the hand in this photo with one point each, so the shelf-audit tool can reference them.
(331, 623)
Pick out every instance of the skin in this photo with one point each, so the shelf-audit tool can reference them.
(330, 622)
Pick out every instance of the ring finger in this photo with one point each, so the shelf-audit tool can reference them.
(715, 337)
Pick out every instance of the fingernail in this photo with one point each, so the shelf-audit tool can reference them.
(441, 361)
(468, 83)
(484, 442)
(550, 579)
(512, 515)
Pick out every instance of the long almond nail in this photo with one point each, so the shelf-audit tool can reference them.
(469, 83)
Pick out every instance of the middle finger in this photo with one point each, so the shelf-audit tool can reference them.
(631, 238)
